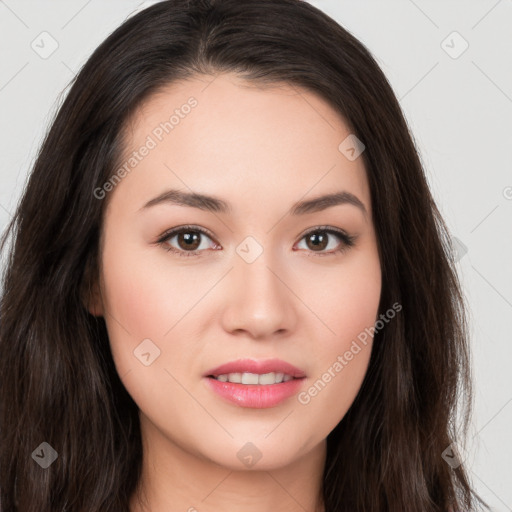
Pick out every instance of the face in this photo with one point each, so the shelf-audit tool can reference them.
(260, 273)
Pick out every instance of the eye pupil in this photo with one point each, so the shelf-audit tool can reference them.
(318, 240)
(191, 241)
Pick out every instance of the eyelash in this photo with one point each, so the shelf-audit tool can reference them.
(347, 241)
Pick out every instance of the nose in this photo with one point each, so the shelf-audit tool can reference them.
(259, 300)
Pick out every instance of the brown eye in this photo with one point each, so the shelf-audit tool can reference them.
(318, 240)
(189, 241)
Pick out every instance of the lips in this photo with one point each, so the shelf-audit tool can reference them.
(256, 366)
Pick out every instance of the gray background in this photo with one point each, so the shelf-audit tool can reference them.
(458, 105)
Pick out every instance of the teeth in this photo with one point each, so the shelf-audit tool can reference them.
(254, 378)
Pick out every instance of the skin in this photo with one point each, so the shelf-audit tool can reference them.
(261, 150)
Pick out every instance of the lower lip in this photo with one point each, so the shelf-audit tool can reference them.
(256, 396)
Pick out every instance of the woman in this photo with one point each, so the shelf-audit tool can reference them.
(309, 351)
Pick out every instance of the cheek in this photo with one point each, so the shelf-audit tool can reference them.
(137, 318)
(349, 302)
(133, 303)
(330, 393)
(144, 293)
(146, 298)
(340, 368)
(350, 310)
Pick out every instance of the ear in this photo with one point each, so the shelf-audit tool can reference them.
(90, 290)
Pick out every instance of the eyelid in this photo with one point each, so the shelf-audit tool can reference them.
(166, 234)
(331, 229)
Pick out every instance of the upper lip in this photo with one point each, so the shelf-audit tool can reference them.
(256, 366)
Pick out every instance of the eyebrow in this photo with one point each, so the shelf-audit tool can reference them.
(216, 205)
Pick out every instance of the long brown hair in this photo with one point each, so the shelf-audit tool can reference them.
(57, 377)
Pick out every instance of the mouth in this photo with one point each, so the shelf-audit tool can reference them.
(255, 384)
(246, 371)
(255, 396)
(253, 379)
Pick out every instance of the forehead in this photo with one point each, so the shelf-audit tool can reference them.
(223, 136)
